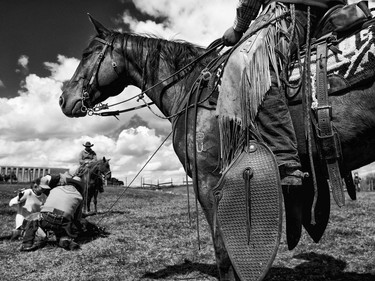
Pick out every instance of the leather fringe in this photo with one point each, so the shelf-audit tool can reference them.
(260, 55)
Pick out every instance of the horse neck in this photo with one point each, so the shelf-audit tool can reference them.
(152, 61)
(93, 167)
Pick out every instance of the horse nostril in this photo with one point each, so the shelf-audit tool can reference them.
(61, 101)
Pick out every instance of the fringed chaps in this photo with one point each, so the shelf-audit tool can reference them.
(247, 78)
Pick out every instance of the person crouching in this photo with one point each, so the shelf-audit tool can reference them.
(62, 210)
(27, 202)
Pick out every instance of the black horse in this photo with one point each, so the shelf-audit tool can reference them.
(115, 60)
(92, 178)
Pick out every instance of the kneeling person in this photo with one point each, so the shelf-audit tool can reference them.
(28, 201)
(62, 210)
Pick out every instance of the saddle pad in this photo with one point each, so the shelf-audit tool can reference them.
(252, 260)
(353, 64)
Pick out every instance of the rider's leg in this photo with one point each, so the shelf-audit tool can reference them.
(276, 128)
(274, 120)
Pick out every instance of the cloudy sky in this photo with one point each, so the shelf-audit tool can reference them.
(42, 41)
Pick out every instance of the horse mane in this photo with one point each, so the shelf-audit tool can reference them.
(175, 53)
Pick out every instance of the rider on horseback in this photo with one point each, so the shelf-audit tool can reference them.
(87, 156)
(273, 120)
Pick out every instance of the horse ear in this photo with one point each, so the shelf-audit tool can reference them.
(100, 29)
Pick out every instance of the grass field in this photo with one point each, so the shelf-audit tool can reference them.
(150, 238)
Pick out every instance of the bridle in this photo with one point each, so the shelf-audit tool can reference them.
(98, 172)
(88, 87)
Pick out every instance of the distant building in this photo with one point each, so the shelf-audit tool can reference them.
(28, 174)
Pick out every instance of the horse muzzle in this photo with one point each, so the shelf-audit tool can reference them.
(72, 107)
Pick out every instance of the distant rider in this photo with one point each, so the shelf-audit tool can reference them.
(85, 157)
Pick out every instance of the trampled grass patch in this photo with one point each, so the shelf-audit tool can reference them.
(151, 238)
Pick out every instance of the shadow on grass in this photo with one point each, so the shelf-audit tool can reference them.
(85, 215)
(316, 267)
(6, 237)
(183, 269)
(91, 232)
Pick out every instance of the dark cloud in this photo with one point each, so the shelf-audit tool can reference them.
(134, 122)
(137, 121)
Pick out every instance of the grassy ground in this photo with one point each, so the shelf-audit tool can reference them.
(150, 239)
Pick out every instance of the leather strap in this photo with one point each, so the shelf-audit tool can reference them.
(329, 147)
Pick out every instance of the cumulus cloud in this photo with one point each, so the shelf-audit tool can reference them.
(37, 134)
(23, 62)
(197, 21)
(63, 69)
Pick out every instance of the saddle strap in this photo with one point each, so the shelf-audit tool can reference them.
(326, 134)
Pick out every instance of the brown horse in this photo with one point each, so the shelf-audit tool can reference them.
(115, 60)
(92, 180)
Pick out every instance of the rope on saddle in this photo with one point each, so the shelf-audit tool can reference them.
(206, 80)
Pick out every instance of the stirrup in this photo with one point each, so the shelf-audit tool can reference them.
(249, 211)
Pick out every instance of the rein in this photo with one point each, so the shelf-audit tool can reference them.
(86, 90)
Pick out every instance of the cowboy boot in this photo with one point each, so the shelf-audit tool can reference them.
(291, 183)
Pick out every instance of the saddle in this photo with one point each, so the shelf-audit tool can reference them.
(338, 62)
(240, 208)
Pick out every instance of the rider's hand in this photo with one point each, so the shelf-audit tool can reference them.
(231, 36)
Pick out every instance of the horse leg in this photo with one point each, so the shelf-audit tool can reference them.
(85, 211)
(88, 201)
(206, 199)
(224, 265)
(96, 200)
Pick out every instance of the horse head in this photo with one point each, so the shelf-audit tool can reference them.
(99, 75)
(104, 168)
(114, 60)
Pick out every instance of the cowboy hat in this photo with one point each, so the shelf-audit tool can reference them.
(44, 182)
(88, 144)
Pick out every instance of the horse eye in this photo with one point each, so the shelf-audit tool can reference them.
(85, 55)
